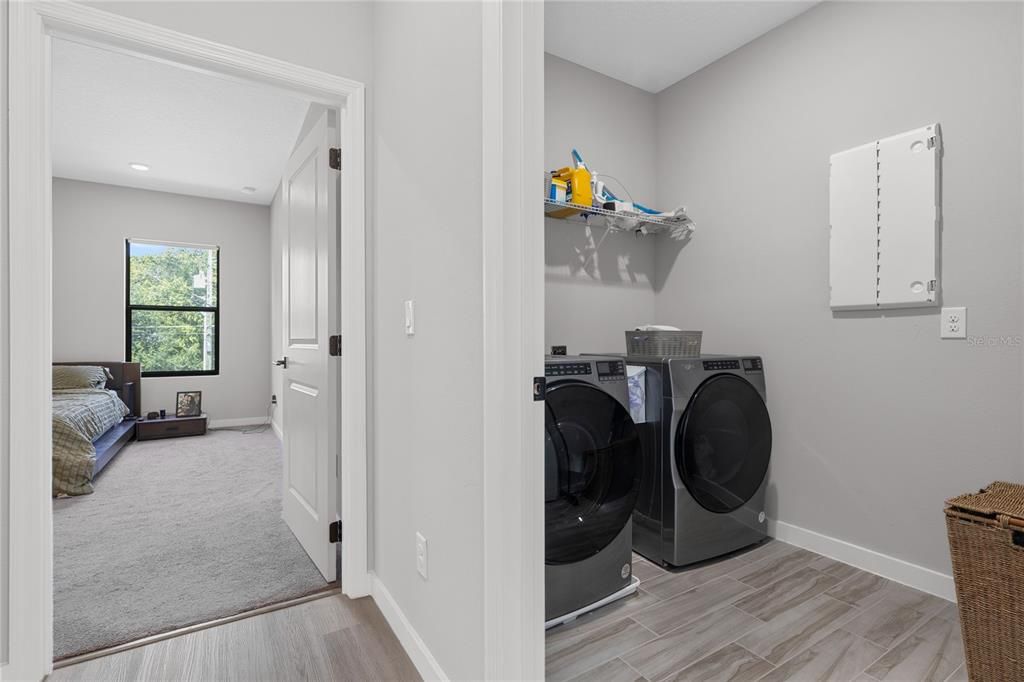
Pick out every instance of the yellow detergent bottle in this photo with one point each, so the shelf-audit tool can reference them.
(580, 191)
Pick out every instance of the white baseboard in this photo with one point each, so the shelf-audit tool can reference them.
(277, 430)
(426, 664)
(240, 421)
(898, 570)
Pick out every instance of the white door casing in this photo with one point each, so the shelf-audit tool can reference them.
(310, 315)
(26, 268)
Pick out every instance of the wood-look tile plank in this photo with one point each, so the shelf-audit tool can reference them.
(797, 629)
(732, 662)
(786, 593)
(690, 643)
(930, 654)
(614, 670)
(678, 581)
(645, 570)
(959, 675)
(836, 569)
(587, 648)
(902, 610)
(688, 606)
(331, 638)
(609, 613)
(864, 677)
(356, 653)
(862, 590)
(771, 569)
(840, 657)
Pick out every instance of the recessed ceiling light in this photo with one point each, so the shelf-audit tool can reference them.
(249, 190)
(138, 166)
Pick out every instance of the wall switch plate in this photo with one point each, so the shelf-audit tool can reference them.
(954, 323)
(410, 318)
(421, 555)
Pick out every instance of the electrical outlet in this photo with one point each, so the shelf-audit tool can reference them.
(954, 323)
(421, 555)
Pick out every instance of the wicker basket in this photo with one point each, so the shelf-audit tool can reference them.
(664, 343)
(986, 543)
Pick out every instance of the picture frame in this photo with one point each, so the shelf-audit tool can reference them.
(189, 404)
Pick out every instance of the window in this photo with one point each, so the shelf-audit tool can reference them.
(172, 325)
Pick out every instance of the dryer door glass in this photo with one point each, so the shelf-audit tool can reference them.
(723, 443)
(592, 471)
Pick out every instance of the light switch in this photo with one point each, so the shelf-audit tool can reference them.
(410, 318)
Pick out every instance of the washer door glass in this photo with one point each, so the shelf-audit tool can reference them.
(592, 471)
(724, 443)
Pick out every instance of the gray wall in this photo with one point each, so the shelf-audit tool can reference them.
(90, 224)
(427, 415)
(876, 419)
(591, 299)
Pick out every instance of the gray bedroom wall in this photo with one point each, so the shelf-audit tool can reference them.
(591, 299)
(90, 224)
(876, 420)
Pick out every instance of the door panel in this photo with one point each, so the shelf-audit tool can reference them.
(302, 252)
(309, 307)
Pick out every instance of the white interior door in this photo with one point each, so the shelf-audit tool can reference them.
(309, 315)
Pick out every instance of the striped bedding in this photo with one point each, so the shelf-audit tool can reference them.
(80, 415)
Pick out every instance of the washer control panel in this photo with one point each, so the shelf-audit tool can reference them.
(753, 365)
(607, 370)
(568, 369)
(721, 364)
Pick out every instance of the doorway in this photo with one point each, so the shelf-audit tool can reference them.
(33, 29)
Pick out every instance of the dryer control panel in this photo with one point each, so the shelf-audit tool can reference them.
(611, 370)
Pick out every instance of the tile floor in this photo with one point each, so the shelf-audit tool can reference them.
(775, 612)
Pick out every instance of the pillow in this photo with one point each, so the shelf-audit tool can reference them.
(79, 376)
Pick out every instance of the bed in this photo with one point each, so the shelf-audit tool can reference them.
(92, 420)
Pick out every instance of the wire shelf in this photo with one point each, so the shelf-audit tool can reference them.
(620, 221)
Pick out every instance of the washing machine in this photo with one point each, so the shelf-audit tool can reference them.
(591, 482)
(707, 442)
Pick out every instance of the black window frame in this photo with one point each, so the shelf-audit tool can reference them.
(129, 308)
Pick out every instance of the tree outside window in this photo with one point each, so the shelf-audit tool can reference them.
(173, 308)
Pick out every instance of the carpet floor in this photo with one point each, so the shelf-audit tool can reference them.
(178, 532)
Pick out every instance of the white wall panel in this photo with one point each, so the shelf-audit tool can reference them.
(908, 218)
(883, 213)
(853, 214)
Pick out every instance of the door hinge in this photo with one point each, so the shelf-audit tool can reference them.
(540, 385)
(335, 345)
(334, 531)
(335, 158)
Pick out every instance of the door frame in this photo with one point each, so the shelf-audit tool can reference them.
(28, 316)
(512, 226)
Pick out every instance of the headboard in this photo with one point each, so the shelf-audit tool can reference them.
(124, 373)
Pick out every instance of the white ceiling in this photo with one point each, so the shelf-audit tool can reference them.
(653, 45)
(200, 134)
